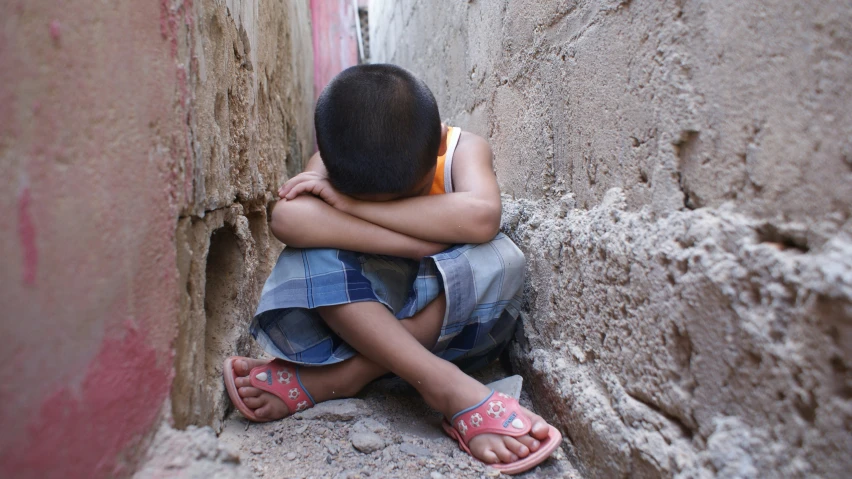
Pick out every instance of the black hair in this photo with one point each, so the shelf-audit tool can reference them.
(378, 130)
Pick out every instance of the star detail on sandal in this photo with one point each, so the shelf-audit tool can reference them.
(282, 378)
(294, 394)
(301, 406)
(476, 420)
(462, 427)
(495, 409)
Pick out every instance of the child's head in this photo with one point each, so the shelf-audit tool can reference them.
(378, 131)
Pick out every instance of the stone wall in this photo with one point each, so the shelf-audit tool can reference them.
(140, 144)
(678, 174)
(252, 127)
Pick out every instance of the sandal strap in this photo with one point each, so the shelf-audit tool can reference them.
(497, 414)
(282, 379)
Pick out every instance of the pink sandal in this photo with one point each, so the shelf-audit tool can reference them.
(500, 414)
(277, 377)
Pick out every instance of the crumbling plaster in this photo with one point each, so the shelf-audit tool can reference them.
(678, 174)
(251, 117)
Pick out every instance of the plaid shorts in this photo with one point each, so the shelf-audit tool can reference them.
(483, 286)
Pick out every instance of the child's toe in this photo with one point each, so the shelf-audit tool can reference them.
(488, 457)
(241, 367)
(263, 412)
(249, 392)
(517, 448)
(540, 429)
(530, 442)
(504, 454)
(254, 402)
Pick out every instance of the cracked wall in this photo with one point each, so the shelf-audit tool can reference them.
(678, 174)
(140, 145)
(251, 128)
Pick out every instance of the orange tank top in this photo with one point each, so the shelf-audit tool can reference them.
(443, 182)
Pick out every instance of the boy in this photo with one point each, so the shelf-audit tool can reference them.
(369, 284)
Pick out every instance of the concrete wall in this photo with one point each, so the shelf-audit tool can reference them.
(679, 175)
(335, 41)
(140, 143)
(252, 122)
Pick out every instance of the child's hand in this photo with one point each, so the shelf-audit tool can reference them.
(316, 184)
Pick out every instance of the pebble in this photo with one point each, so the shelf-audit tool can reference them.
(291, 456)
(178, 463)
(436, 475)
(337, 410)
(369, 425)
(228, 454)
(367, 442)
(256, 450)
(348, 475)
(414, 450)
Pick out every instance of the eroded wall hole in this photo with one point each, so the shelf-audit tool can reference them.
(223, 277)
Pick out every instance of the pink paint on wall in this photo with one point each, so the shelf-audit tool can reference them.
(94, 119)
(27, 236)
(335, 43)
(80, 433)
(55, 30)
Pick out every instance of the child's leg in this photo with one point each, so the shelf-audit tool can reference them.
(372, 330)
(339, 380)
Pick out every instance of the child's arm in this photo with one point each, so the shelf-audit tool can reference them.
(469, 215)
(308, 222)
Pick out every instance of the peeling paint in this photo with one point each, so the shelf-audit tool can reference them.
(27, 238)
(83, 433)
(55, 30)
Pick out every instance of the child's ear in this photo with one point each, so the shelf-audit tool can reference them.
(444, 131)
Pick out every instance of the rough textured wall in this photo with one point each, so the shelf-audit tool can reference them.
(251, 127)
(133, 135)
(679, 174)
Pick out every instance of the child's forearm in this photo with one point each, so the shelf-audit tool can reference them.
(471, 215)
(449, 218)
(308, 222)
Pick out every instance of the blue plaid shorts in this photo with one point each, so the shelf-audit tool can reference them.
(483, 285)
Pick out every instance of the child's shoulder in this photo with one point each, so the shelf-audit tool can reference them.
(472, 148)
(473, 166)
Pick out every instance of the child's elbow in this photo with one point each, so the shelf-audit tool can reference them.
(289, 219)
(487, 224)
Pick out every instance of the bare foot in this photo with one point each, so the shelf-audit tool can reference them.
(496, 448)
(266, 406)
(460, 392)
(322, 383)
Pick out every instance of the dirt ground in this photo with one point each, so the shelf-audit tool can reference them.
(397, 434)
